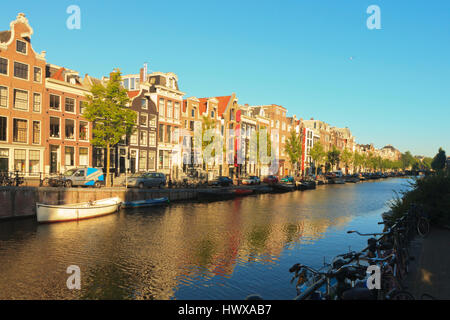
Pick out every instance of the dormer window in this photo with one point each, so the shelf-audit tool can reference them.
(21, 46)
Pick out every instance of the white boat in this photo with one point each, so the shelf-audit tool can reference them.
(73, 212)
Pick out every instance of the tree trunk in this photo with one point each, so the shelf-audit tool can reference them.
(108, 164)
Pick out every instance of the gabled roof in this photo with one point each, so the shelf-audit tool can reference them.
(133, 94)
(223, 103)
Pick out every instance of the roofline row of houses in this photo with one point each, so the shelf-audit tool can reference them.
(42, 128)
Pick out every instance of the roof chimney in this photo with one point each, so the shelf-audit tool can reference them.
(141, 76)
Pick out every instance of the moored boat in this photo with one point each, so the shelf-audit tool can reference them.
(281, 187)
(145, 203)
(216, 194)
(47, 213)
(243, 192)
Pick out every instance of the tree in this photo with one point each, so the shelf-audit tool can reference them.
(293, 147)
(111, 119)
(407, 160)
(347, 158)
(333, 157)
(439, 160)
(317, 154)
(208, 141)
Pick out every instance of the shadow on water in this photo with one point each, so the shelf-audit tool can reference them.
(215, 250)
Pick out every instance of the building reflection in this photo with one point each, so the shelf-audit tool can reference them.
(152, 254)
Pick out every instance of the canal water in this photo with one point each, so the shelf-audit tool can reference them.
(219, 250)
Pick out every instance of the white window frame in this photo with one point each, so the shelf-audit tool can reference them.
(7, 128)
(49, 101)
(7, 67)
(40, 132)
(74, 105)
(28, 104)
(49, 128)
(26, 47)
(79, 127)
(28, 73)
(40, 108)
(74, 129)
(7, 96)
(28, 130)
(79, 154)
(41, 74)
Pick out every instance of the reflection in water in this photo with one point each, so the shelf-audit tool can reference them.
(220, 250)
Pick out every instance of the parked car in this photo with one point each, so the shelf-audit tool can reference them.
(146, 180)
(288, 179)
(221, 181)
(85, 177)
(271, 179)
(251, 180)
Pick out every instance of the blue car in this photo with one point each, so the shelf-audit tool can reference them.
(287, 179)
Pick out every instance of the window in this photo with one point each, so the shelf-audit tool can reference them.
(169, 109)
(3, 66)
(54, 127)
(3, 97)
(36, 132)
(193, 112)
(133, 138)
(152, 121)
(54, 102)
(161, 133)
(84, 157)
(168, 134)
(20, 70)
(19, 160)
(176, 111)
(212, 114)
(34, 166)
(21, 46)
(126, 83)
(69, 105)
(37, 74)
(69, 126)
(151, 160)
(20, 130)
(20, 99)
(3, 128)
(4, 159)
(36, 102)
(144, 103)
(142, 160)
(143, 119)
(152, 139)
(162, 107)
(83, 132)
(82, 106)
(143, 138)
(69, 156)
(132, 87)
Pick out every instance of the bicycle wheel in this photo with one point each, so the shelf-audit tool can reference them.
(401, 295)
(423, 227)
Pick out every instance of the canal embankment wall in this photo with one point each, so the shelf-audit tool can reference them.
(18, 202)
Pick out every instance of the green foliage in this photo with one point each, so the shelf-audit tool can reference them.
(317, 154)
(111, 119)
(333, 157)
(293, 147)
(407, 160)
(106, 110)
(439, 160)
(432, 192)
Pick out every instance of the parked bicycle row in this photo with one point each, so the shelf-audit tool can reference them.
(375, 273)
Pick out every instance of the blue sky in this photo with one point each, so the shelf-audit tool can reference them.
(395, 90)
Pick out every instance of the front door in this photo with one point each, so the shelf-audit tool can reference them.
(54, 159)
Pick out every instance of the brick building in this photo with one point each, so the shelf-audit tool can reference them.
(67, 134)
(22, 111)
